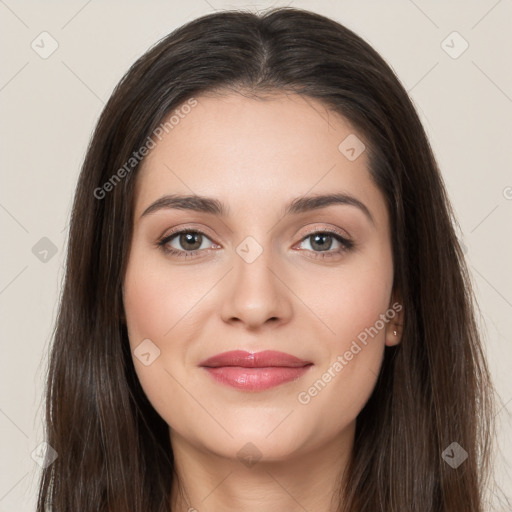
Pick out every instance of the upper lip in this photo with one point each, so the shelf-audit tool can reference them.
(246, 359)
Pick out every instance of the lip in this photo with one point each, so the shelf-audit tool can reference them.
(255, 371)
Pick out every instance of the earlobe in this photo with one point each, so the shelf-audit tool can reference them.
(395, 326)
(393, 334)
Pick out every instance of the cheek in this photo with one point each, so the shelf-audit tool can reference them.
(356, 309)
(351, 298)
(157, 299)
(156, 302)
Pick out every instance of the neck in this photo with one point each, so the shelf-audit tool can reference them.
(305, 481)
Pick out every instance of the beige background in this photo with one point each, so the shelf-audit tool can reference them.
(49, 108)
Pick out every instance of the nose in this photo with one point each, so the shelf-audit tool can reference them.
(256, 293)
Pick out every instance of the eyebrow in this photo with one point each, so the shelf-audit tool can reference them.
(214, 206)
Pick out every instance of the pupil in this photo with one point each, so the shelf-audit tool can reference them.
(322, 246)
(188, 238)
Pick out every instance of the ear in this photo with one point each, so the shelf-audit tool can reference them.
(395, 313)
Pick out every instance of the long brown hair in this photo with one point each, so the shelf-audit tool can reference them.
(434, 389)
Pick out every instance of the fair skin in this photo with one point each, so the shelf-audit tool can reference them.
(255, 156)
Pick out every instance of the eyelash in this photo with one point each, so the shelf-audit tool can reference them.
(346, 243)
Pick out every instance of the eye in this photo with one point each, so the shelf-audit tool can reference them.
(321, 243)
(190, 241)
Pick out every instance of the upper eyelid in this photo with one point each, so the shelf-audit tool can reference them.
(328, 230)
(180, 231)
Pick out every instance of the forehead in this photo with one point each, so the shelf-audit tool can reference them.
(256, 154)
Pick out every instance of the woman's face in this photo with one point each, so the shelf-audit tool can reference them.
(271, 273)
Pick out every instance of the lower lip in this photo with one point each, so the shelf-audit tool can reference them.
(255, 379)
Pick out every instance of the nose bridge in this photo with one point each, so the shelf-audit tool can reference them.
(256, 294)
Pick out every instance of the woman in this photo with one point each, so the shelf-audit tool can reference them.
(315, 347)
